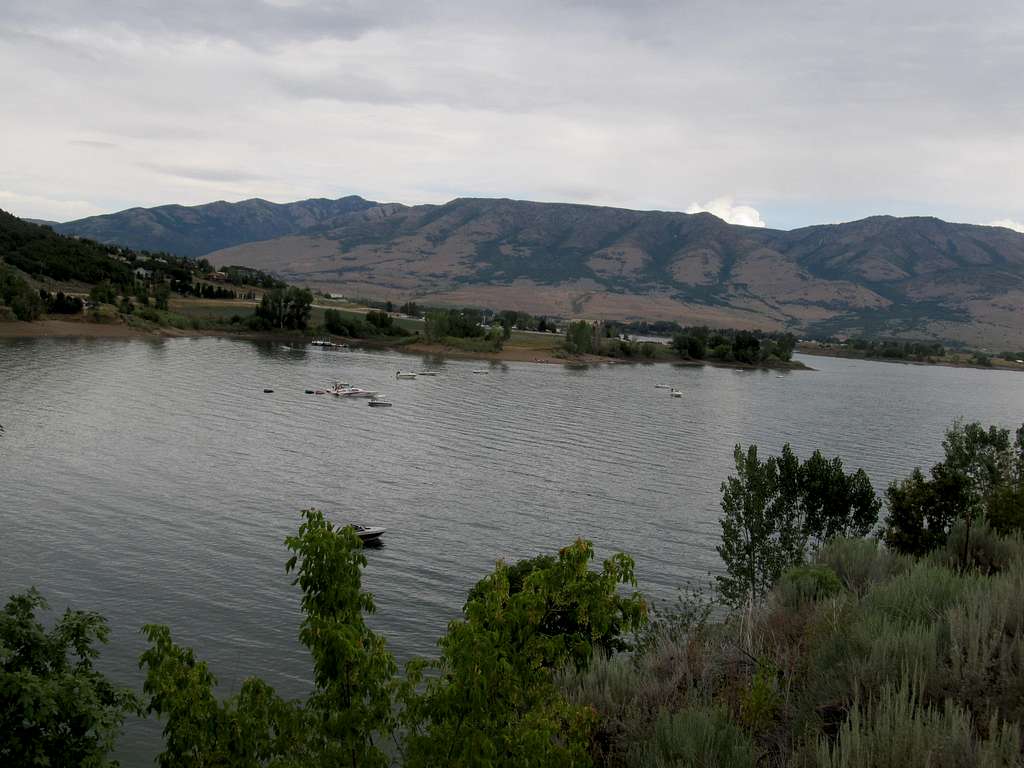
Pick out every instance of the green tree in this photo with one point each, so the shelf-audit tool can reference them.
(982, 472)
(493, 700)
(161, 296)
(776, 511)
(759, 529)
(436, 325)
(250, 729)
(55, 707)
(922, 511)
(352, 673)
(352, 669)
(579, 337)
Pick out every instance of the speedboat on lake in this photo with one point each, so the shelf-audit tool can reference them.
(675, 392)
(368, 533)
(662, 386)
(377, 401)
(341, 389)
(405, 375)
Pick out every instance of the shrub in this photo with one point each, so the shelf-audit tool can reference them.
(807, 584)
(899, 731)
(693, 737)
(761, 702)
(986, 551)
(920, 595)
(861, 563)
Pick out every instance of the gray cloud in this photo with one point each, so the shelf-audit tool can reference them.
(797, 109)
(203, 173)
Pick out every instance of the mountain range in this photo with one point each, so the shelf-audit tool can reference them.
(916, 277)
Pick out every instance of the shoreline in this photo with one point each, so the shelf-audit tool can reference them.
(851, 355)
(58, 329)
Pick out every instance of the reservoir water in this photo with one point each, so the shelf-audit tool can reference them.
(155, 481)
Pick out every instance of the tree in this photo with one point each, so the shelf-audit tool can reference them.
(286, 307)
(352, 674)
(493, 700)
(436, 325)
(579, 337)
(55, 708)
(252, 728)
(922, 511)
(757, 530)
(982, 472)
(162, 296)
(352, 669)
(777, 511)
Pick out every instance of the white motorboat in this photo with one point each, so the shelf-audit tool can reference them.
(342, 389)
(662, 386)
(480, 370)
(426, 373)
(368, 532)
(405, 375)
(379, 402)
(675, 392)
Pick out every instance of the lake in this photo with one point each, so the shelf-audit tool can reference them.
(154, 481)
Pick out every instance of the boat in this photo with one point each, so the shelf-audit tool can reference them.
(342, 389)
(368, 532)
(426, 373)
(480, 370)
(379, 402)
(267, 390)
(662, 386)
(675, 392)
(405, 375)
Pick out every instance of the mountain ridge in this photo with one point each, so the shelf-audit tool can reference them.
(917, 277)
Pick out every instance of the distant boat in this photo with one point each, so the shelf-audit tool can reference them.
(267, 390)
(675, 392)
(379, 402)
(662, 386)
(426, 373)
(480, 370)
(405, 375)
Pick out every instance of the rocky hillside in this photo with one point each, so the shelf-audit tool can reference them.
(200, 229)
(910, 277)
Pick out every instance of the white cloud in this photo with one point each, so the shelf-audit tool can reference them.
(1016, 226)
(723, 208)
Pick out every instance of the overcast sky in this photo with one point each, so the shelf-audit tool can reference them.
(777, 113)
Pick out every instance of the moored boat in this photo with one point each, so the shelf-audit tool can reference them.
(368, 532)
(405, 375)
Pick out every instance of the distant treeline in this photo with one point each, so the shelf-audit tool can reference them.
(731, 345)
(898, 350)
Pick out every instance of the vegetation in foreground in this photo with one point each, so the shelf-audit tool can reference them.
(827, 648)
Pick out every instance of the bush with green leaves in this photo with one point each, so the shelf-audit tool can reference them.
(492, 699)
(802, 585)
(56, 708)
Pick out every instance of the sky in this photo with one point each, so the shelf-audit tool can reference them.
(780, 114)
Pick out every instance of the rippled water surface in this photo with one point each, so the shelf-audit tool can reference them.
(155, 481)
